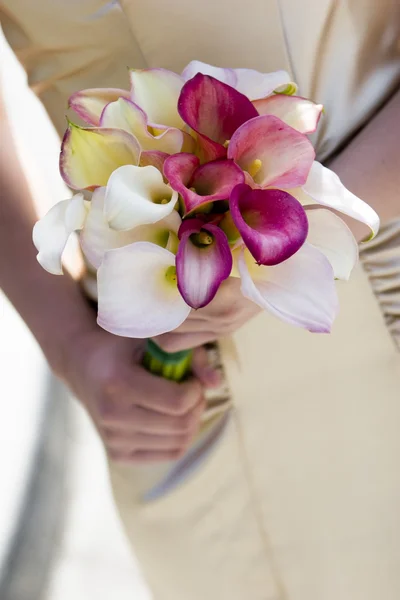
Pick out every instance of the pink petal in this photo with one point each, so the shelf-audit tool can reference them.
(201, 269)
(214, 110)
(284, 155)
(201, 184)
(272, 223)
(154, 158)
(301, 114)
(300, 291)
(89, 104)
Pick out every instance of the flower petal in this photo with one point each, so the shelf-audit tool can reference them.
(98, 237)
(213, 108)
(51, 233)
(275, 154)
(153, 158)
(300, 291)
(227, 76)
(333, 238)
(301, 114)
(325, 187)
(201, 267)
(89, 104)
(272, 223)
(200, 185)
(156, 91)
(137, 196)
(124, 114)
(89, 156)
(254, 84)
(137, 294)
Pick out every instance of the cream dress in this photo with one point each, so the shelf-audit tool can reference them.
(297, 495)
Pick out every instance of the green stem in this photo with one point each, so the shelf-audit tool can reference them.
(170, 365)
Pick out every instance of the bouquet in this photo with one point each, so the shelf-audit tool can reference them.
(189, 179)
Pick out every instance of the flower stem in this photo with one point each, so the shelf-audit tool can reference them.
(173, 366)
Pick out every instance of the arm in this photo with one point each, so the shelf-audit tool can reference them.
(370, 165)
(139, 416)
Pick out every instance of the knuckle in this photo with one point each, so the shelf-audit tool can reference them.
(167, 342)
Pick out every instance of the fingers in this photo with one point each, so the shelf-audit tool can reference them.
(144, 456)
(175, 341)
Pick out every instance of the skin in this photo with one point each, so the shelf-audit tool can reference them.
(142, 418)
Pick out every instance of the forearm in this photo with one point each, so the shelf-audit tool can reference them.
(53, 307)
(370, 165)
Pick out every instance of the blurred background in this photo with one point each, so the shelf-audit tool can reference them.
(60, 538)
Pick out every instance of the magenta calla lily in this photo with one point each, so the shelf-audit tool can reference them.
(272, 223)
(201, 184)
(274, 154)
(203, 261)
(214, 110)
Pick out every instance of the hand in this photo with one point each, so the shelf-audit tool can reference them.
(223, 316)
(140, 417)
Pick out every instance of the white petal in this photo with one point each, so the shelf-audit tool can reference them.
(133, 197)
(51, 233)
(156, 91)
(300, 291)
(135, 297)
(98, 237)
(332, 237)
(255, 85)
(227, 76)
(325, 187)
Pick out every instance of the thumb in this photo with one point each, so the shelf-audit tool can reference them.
(207, 375)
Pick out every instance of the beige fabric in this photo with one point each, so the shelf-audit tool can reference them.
(298, 498)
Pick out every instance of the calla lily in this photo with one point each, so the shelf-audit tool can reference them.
(51, 233)
(201, 184)
(153, 158)
(214, 111)
(324, 187)
(124, 114)
(156, 91)
(328, 233)
(97, 237)
(137, 196)
(203, 261)
(138, 293)
(300, 291)
(89, 156)
(272, 223)
(89, 104)
(301, 114)
(274, 154)
(252, 84)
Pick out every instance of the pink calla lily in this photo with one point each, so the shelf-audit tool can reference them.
(201, 184)
(272, 223)
(214, 110)
(203, 261)
(274, 154)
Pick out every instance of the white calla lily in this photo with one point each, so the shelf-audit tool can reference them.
(138, 292)
(333, 238)
(97, 237)
(325, 187)
(137, 196)
(300, 290)
(51, 233)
